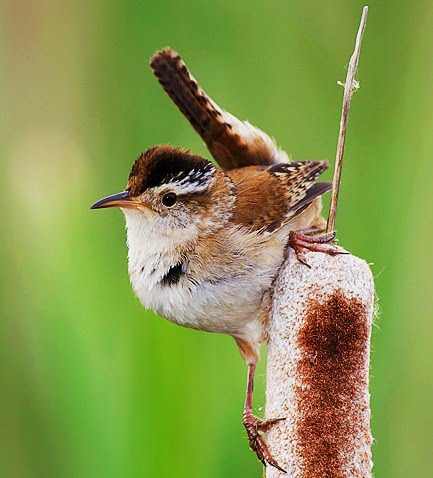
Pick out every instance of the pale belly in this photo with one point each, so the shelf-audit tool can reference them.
(232, 307)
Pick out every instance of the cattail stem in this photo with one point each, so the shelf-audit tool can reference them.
(318, 368)
(319, 351)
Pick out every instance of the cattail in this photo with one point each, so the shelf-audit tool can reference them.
(318, 368)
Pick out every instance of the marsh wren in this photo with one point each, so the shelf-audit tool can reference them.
(206, 242)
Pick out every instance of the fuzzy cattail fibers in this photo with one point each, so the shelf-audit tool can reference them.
(318, 368)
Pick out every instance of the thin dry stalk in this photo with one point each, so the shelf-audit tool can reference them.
(350, 86)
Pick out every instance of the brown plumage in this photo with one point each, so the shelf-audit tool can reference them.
(233, 143)
(161, 164)
(270, 191)
(206, 243)
(268, 198)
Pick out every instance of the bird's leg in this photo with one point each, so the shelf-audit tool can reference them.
(254, 425)
(323, 243)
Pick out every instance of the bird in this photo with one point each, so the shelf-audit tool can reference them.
(206, 241)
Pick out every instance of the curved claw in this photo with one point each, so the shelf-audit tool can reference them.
(301, 259)
(257, 444)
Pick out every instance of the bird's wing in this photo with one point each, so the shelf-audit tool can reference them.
(268, 198)
(233, 143)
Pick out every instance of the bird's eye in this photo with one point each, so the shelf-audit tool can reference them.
(169, 199)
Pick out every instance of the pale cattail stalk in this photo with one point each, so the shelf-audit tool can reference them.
(318, 368)
(319, 351)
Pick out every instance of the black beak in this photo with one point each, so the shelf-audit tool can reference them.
(115, 200)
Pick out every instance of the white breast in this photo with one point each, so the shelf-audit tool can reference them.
(230, 305)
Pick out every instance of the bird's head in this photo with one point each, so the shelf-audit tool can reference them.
(170, 190)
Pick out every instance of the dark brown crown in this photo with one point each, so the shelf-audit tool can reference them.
(163, 164)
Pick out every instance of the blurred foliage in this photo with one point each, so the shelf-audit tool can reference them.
(91, 385)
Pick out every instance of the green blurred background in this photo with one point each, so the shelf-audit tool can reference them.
(90, 384)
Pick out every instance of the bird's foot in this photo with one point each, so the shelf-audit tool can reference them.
(254, 425)
(325, 243)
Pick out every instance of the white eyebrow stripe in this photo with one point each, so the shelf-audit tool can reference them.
(186, 185)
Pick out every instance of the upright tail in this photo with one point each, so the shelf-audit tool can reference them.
(233, 143)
